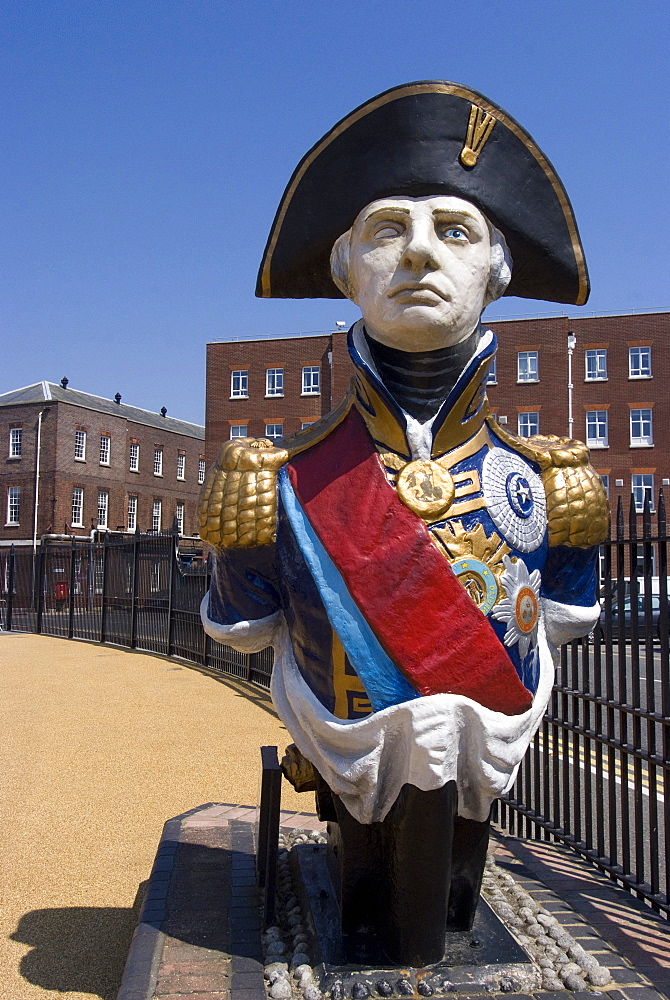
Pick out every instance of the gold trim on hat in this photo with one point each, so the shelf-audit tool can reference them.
(411, 90)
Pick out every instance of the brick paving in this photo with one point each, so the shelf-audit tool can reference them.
(199, 930)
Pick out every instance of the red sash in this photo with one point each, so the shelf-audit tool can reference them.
(422, 616)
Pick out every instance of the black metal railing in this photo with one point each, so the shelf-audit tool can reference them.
(597, 775)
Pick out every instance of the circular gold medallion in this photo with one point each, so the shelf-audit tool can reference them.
(426, 488)
(527, 610)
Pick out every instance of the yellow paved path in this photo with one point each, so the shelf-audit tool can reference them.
(99, 747)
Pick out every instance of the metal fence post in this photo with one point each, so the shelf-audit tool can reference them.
(103, 596)
(70, 615)
(268, 828)
(10, 587)
(172, 570)
(40, 583)
(133, 591)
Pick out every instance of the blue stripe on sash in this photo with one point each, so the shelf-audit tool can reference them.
(383, 681)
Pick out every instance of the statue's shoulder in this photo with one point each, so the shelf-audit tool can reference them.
(237, 508)
(577, 505)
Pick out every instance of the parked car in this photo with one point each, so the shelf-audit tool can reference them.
(626, 616)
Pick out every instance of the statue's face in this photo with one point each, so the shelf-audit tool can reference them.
(419, 269)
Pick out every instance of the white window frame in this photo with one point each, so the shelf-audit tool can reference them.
(132, 512)
(134, 457)
(599, 368)
(181, 467)
(156, 515)
(105, 448)
(274, 382)
(272, 433)
(524, 419)
(606, 483)
(642, 483)
(528, 366)
(80, 446)
(306, 423)
(179, 515)
(597, 421)
(103, 508)
(201, 471)
(158, 461)
(311, 380)
(492, 377)
(155, 577)
(239, 383)
(641, 440)
(15, 442)
(637, 368)
(238, 430)
(13, 505)
(77, 506)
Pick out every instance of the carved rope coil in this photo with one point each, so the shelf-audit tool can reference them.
(238, 501)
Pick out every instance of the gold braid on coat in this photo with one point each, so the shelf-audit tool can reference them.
(238, 500)
(578, 511)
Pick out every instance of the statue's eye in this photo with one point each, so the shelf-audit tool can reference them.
(387, 231)
(455, 233)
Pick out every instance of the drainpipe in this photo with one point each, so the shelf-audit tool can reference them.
(37, 480)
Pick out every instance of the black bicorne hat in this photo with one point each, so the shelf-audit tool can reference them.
(419, 139)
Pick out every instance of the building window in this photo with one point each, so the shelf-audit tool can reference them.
(596, 365)
(306, 423)
(639, 362)
(179, 515)
(643, 488)
(606, 484)
(527, 367)
(15, 442)
(239, 384)
(238, 430)
(492, 377)
(156, 515)
(158, 461)
(529, 424)
(274, 430)
(77, 507)
(134, 465)
(132, 513)
(103, 508)
(80, 446)
(104, 449)
(201, 470)
(274, 382)
(13, 504)
(181, 466)
(641, 429)
(596, 428)
(311, 380)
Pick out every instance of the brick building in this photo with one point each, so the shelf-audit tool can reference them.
(97, 463)
(620, 399)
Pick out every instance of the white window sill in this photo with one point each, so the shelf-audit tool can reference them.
(73, 525)
(14, 458)
(492, 382)
(597, 378)
(13, 524)
(640, 378)
(105, 465)
(158, 475)
(245, 396)
(79, 459)
(274, 395)
(641, 444)
(311, 393)
(133, 470)
(527, 381)
(181, 479)
(596, 445)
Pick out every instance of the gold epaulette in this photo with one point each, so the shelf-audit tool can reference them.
(238, 500)
(578, 511)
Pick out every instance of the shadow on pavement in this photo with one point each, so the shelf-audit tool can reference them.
(78, 949)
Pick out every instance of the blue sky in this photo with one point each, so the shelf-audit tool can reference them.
(146, 145)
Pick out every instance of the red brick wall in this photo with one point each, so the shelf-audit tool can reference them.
(60, 472)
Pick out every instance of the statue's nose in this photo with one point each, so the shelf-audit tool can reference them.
(420, 250)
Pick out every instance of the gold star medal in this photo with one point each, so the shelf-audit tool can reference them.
(426, 488)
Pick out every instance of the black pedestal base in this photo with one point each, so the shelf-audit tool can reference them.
(484, 959)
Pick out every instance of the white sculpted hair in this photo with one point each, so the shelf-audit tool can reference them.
(500, 274)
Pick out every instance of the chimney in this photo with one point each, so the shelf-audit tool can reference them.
(163, 411)
(64, 381)
(117, 398)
